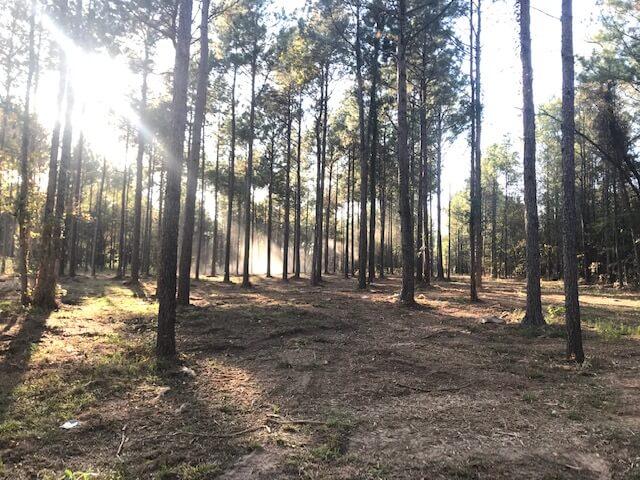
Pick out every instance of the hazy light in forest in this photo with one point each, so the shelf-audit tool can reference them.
(101, 86)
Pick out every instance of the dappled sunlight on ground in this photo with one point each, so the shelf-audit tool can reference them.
(285, 380)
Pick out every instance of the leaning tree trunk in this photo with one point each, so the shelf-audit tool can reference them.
(184, 280)
(533, 316)
(571, 304)
(166, 340)
(406, 217)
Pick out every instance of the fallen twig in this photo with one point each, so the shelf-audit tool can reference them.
(122, 441)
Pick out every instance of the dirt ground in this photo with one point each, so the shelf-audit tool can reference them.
(292, 381)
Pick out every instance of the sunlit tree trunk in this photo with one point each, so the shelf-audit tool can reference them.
(214, 250)
(146, 251)
(232, 179)
(75, 209)
(249, 174)
(123, 214)
(201, 215)
(166, 339)
(137, 209)
(98, 221)
(22, 211)
(186, 250)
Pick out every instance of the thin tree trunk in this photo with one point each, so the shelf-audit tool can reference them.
(98, 223)
(75, 209)
(296, 241)
(232, 179)
(201, 215)
(137, 209)
(270, 208)
(287, 194)
(214, 250)
(123, 216)
(249, 176)
(326, 221)
(439, 265)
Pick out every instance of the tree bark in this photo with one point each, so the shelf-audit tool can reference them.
(287, 193)
(137, 209)
(246, 283)
(406, 217)
(98, 223)
(22, 210)
(232, 180)
(571, 303)
(533, 315)
(364, 157)
(166, 339)
(186, 250)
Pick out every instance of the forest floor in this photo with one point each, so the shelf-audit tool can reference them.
(293, 381)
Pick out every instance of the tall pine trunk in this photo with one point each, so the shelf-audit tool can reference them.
(406, 217)
(137, 209)
(22, 210)
(44, 295)
(533, 316)
(571, 303)
(287, 193)
(232, 180)
(364, 157)
(186, 250)
(98, 222)
(166, 340)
